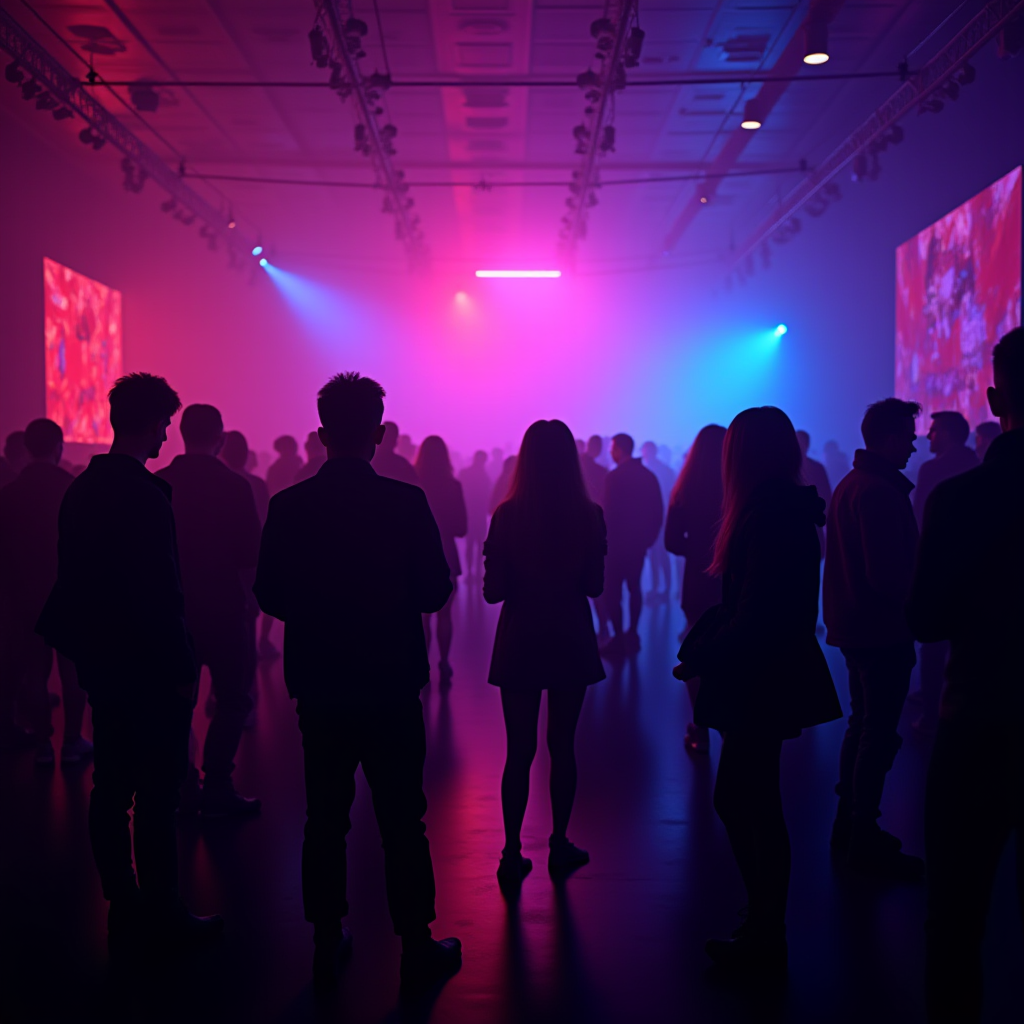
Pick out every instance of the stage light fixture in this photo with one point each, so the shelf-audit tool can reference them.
(14, 74)
(704, 200)
(257, 249)
(62, 114)
(518, 273)
(263, 262)
(89, 138)
(752, 117)
(816, 49)
(232, 223)
(780, 330)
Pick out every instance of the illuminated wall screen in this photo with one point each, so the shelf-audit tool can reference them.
(82, 328)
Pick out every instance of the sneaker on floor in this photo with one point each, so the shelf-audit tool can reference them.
(44, 754)
(226, 802)
(564, 857)
(842, 829)
(430, 962)
(513, 868)
(331, 948)
(79, 749)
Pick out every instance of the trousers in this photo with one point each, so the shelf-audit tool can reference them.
(386, 736)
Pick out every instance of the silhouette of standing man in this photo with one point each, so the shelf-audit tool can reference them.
(349, 562)
(118, 612)
(387, 462)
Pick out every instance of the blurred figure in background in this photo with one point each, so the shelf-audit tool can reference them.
(15, 457)
(235, 455)
(968, 590)
(984, 435)
(476, 489)
(504, 482)
(594, 474)
(406, 448)
(218, 531)
(387, 462)
(281, 472)
(29, 509)
(837, 463)
(661, 566)
(815, 474)
(691, 528)
(872, 543)
(763, 676)
(544, 558)
(315, 457)
(444, 495)
(947, 441)
(633, 512)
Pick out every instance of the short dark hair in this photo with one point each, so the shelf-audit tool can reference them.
(989, 430)
(885, 418)
(138, 400)
(625, 442)
(954, 423)
(201, 424)
(351, 407)
(1008, 367)
(286, 445)
(43, 438)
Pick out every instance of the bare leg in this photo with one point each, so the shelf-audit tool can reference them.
(564, 708)
(521, 711)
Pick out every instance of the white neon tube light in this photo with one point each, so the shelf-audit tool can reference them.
(518, 273)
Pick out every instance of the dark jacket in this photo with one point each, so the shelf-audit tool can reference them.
(757, 656)
(968, 586)
(545, 637)
(218, 538)
(117, 609)
(633, 508)
(29, 509)
(871, 547)
(449, 509)
(957, 460)
(349, 561)
(691, 528)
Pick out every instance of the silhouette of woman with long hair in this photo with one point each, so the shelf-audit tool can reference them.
(444, 495)
(543, 557)
(691, 527)
(763, 675)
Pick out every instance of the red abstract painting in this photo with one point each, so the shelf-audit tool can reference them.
(82, 329)
(958, 290)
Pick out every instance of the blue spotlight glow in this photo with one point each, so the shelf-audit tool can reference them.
(780, 330)
(257, 249)
(328, 316)
(264, 262)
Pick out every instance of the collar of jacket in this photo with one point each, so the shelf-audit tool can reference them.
(347, 465)
(1007, 447)
(870, 462)
(111, 465)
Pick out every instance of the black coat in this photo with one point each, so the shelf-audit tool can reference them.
(545, 637)
(757, 656)
(691, 529)
(349, 561)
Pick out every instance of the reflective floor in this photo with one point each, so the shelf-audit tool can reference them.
(620, 941)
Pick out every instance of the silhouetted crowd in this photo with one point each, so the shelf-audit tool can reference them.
(134, 581)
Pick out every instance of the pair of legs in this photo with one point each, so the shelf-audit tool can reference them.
(661, 567)
(973, 805)
(474, 555)
(387, 737)
(748, 799)
(879, 681)
(521, 709)
(619, 570)
(444, 631)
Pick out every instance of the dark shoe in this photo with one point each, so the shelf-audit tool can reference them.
(175, 928)
(331, 948)
(873, 854)
(564, 857)
(513, 868)
(842, 829)
(224, 802)
(749, 953)
(429, 962)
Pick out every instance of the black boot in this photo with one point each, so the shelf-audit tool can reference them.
(332, 946)
(427, 961)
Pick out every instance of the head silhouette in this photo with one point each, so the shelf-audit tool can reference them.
(141, 407)
(888, 430)
(479, 459)
(649, 451)
(760, 445)
(390, 441)
(351, 408)
(286, 446)
(44, 441)
(804, 440)
(700, 479)
(984, 435)
(202, 429)
(622, 449)
(15, 451)
(433, 463)
(594, 446)
(1006, 396)
(949, 430)
(235, 452)
(548, 483)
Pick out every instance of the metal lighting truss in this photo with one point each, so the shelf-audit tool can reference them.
(140, 161)
(617, 49)
(342, 35)
(936, 76)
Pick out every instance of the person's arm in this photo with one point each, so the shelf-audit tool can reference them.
(676, 540)
(593, 581)
(495, 562)
(460, 524)
(888, 559)
(935, 599)
(431, 577)
(271, 586)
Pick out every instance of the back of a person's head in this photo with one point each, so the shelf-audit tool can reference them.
(139, 401)
(1008, 370)
(43, 439)
(202, 426)
(433, 463)
(547, 478)
(14, 446)
(700, 479)
(390, 440)
(594, 445)
(235, 452)
(885, 418)
(988, 431)
(624, 443)
(480, 459)
(649, 450)
(954, 425)
(286, 445)
(760, 445)
(804, 440)
(351, 408)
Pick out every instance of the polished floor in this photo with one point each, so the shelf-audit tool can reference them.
(620, 941)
